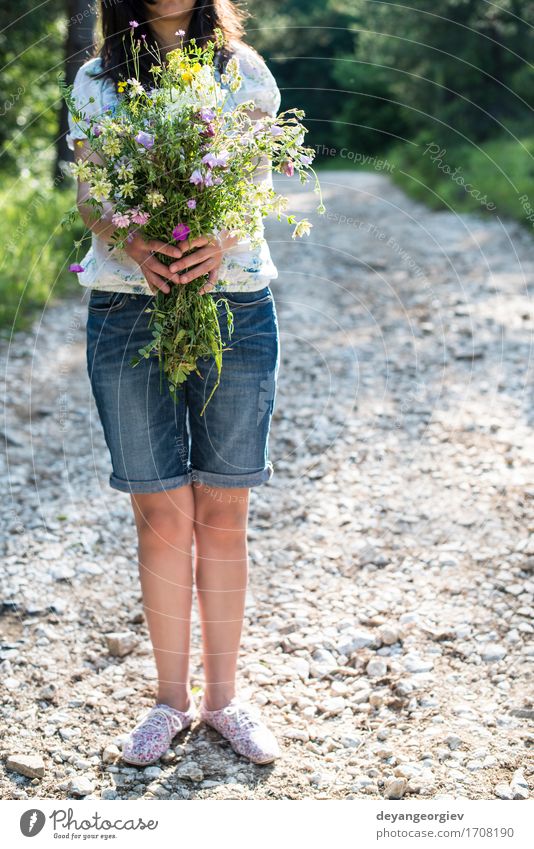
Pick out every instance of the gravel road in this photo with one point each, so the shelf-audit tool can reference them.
(390, 611)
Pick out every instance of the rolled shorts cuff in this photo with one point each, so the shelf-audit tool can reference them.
(240, 481)
(157, 485)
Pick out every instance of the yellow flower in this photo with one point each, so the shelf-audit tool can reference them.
(121, 85)
(187, 76)
(196, 67)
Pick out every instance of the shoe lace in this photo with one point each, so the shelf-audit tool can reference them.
(245, 720)
(152, 718)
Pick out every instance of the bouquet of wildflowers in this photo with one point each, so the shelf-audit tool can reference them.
(178, 166)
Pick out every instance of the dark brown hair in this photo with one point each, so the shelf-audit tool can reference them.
(115, 49)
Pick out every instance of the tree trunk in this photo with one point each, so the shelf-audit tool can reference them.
(78, 48)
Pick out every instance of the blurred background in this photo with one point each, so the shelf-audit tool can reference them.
(416, 86)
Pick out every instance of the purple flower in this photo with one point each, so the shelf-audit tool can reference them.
(208, 179)
(276, 130)
(97, 130)
(209, 130)
(145, 139)
(191, 203)
(209, 159)
(196, 177)
(181, 232)
(207, 115)
(180, 33)
(76, 267)
(133, 24)
(305, 159)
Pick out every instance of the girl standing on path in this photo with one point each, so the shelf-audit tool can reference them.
(188, 476)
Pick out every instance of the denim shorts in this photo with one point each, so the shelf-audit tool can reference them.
(155, 444)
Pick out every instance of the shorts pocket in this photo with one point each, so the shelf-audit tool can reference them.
(104, 302)
(246, 299)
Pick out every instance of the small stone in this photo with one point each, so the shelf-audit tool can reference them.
(48, 692)
(152, 772)
(376, 668)
(388, 635)
(297, 734)
(503, 791)
(492, 651)
(354, 640)
(191, 771)
(413, 663)
(80, 785)
(110, 754)
(32, 766)
(395, 788)
(109, 793)
(121, 643)
(333, 705)
(453, 741)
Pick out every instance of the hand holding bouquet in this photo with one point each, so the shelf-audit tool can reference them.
(181, 170)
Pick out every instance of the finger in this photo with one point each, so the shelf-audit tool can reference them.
(161, 269)
(213, 277)
(154, 281)
(197, 256)
(198, 270)
(197, 242)
(155, 245)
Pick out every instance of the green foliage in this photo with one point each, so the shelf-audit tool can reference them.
(35, 251)
(498, 174)
(31, 57)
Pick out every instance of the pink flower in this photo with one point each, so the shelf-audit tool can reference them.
(139, 217)
(76, 267)
(181, 232)
(288, 167)
(120, 219)
(191, 203)
(180, 33)
(133, 24)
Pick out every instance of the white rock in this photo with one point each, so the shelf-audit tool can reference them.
(333, 704)
(121, 643)
(80, 785)
(503, 791)
(492, 651)
(152, 771)
(376, 668)
(395, 788)
(353, 640)
(388, 634)
(413, 663)
(32, 766)
(110, 754)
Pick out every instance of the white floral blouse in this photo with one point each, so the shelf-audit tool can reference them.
(243, 267)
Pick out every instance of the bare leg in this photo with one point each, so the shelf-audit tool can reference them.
(165, 534)
(221, 573)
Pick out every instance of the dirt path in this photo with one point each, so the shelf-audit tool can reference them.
(390, 610)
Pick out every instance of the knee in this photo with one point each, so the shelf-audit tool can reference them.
(165, 527)
(223, 523)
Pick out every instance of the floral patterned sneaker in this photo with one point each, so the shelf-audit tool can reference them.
(154, 732)
(240, 724)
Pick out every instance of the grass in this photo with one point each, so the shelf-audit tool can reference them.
(499, 174)
(35, 251)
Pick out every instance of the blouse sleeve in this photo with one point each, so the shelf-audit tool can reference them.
(258, 83)
(84, 88)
